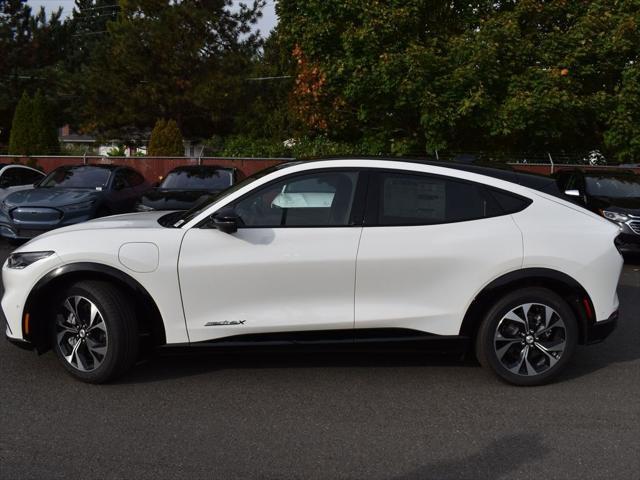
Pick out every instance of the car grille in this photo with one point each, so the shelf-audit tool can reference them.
(35, 215)
(635, 226)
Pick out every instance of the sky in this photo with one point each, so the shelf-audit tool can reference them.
(266, 23)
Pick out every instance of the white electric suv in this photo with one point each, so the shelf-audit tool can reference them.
(341, 251)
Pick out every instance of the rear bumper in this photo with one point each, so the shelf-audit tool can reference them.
(598, 331)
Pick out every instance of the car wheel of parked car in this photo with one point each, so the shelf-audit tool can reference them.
(527, 337)
(95, 331)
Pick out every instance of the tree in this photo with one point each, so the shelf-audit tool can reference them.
(33, 130)
(623, 134)
(184, 60)
(166, 140)
(31, 47)
(20, 138)
(466, 76)
(44, 132)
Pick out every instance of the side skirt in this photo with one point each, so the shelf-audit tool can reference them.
(382, 339)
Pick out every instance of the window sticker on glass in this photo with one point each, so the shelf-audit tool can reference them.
(303, 200)
(414, 197)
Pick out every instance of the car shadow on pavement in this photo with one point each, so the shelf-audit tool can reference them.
(163, 367)
(499, 459)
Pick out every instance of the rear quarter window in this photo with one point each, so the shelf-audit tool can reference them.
(509, 202)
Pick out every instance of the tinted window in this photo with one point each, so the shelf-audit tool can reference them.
(19, 176)
(422, 200)
(134, 179)
(120, 180)
(508, 202)
(198, 179)
(77, 177)
(317, 199)
(623, 186)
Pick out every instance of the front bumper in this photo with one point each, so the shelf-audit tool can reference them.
(23, 344)
(628, 243)
(18, 284)
(599, 331)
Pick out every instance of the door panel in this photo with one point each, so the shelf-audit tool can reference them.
(424, 277)
(267, 280)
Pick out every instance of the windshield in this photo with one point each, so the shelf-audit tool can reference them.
(77, 177)
(204, 204)
(198, 179)
(626, 186)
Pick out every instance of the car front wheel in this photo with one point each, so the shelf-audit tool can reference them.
(94, 331)
(527, 337)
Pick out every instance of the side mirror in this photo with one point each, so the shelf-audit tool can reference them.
(572, 193)
(226, 220)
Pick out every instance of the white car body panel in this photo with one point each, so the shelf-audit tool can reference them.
(280, 279)
(547, 223)
(424, 277)
(272, 279)
(99, 241)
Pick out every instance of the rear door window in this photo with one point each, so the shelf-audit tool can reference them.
(416, 199)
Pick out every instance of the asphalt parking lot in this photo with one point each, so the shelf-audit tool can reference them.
(325, 415)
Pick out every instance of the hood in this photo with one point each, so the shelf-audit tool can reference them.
(126, 221)
(171, 199)
(51, 197)
(623, 205)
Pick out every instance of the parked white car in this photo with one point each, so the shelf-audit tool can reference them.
(14, 177)
(342, 251)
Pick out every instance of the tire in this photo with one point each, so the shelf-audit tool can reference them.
(515, 352)
(94, 331)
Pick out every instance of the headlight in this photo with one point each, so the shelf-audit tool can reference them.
(615, 216)
(24, 259)
(79, 206)
(144, 208)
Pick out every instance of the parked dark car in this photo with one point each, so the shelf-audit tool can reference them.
(14, 177)
(68, 195)
(614, 194)
(183, 187)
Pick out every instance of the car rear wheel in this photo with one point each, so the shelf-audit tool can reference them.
(527, 337)
(94, 331)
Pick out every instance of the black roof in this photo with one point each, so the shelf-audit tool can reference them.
(505, 172)
(105, 166)
(200, 168)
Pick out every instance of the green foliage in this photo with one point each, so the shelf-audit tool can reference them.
(44, 134)
(623, 134)
(468, 76)
(117, 151)
(166, 140)
(20, 139)
(33, 130)
(245, 146)
(342, 76)
(184, 60)
(305, 147)
(32, 46)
